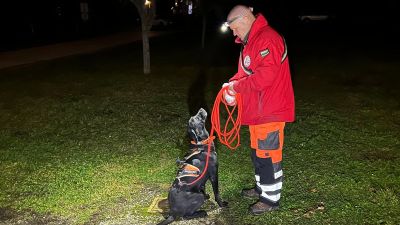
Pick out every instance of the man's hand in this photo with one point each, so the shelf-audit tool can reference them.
(229, 94)
(231, 89)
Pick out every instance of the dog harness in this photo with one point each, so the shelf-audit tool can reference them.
(187, 169)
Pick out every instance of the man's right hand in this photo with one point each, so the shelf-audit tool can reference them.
(229, 96)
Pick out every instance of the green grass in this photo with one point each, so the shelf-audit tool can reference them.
(89, 138)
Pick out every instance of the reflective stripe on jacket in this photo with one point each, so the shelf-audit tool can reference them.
(263, 77)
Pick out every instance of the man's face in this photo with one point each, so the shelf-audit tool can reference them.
(238, 27)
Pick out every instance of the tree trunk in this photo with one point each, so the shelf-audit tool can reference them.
(146, 52)
(147, 13)
(203, 33)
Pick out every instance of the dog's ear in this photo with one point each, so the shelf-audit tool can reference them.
(202, 114)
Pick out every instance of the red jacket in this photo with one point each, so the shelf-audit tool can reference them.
(263, 77)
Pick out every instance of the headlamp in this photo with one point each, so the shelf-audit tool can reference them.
(225, 25)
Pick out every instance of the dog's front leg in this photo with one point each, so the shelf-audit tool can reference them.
(203, 190)
(215, 186)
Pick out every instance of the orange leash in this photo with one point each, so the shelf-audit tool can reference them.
(229, 136)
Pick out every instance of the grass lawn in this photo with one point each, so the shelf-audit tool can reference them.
(90, 140)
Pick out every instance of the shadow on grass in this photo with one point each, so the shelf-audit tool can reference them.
(196, 94)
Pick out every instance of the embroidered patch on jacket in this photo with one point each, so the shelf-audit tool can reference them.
(247, 61)
(264, 52)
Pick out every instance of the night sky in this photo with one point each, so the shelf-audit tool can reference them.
(30, 23)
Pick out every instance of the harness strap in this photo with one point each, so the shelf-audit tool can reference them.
(190, 167)
(187, 175)
(180, 183)
(188, 171)
(193, 154)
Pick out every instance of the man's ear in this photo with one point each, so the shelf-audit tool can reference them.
(246, 20)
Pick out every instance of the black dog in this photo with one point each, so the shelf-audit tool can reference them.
(185, 197)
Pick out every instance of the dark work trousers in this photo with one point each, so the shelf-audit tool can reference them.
(267, 143)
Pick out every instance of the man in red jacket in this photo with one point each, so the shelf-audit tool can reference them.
(264, 82)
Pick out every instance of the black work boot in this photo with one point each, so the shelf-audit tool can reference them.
(250, 193)
(259, 208)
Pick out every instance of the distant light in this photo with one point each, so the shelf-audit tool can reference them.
(224, 27)
(190, 8)
(147, 3)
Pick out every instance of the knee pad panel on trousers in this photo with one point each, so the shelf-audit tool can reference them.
(271, 142)
(270, 147)
(267, 139)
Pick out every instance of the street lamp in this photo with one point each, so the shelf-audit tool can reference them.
(147, 3)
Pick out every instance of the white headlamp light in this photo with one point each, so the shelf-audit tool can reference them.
(224, 27)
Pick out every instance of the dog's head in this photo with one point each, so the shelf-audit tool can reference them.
(196, 127)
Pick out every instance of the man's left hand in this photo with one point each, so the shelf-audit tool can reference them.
(231, 88)
(230, 93)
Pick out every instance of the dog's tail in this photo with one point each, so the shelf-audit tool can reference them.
(168, 220)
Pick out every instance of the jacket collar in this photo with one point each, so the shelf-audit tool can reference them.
(255, 27)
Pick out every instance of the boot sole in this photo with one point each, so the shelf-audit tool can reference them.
(262, 212)
(251, 197)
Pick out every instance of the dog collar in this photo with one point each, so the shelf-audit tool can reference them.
(203, 142)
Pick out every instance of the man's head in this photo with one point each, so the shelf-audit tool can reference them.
(239, 20)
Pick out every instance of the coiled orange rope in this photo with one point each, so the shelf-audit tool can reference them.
(230, 135)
